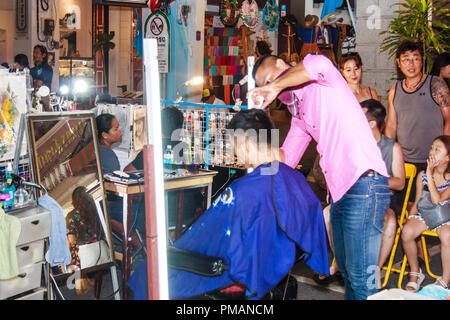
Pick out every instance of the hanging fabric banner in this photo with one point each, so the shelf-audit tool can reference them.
(330, 6)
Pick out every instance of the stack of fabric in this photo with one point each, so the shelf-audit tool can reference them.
(222, 62)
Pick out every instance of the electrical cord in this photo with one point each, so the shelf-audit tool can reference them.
(56, 286)
(220, 189)
(44, 5)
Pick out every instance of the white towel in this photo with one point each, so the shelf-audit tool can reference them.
(58, 251)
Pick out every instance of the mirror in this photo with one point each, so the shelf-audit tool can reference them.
(66, 161)
(75, 27)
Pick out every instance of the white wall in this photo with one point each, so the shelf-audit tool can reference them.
(373, 16)
(120, 71)
(83, 27)
(6, 36)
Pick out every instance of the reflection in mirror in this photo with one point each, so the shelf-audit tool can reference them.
(65, 159)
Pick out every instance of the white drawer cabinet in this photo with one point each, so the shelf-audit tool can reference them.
(36, 224)
(35, 231)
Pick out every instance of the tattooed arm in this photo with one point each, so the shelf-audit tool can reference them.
(440, 93)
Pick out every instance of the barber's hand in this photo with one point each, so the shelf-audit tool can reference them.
(268, 92)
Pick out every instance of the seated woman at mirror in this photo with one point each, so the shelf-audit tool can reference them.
(109, 133)
(82, 228)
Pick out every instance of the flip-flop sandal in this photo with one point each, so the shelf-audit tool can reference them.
(328, 278)
(415, 285)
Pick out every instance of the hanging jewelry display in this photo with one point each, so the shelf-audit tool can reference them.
(249, 13)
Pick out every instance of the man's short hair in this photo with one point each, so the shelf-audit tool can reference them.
(171, 119)
(255, 119)
(375, 111)
(259, 62)
(263, 48)
(407, 45)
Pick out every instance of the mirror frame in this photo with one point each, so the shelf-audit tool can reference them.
(97, 189)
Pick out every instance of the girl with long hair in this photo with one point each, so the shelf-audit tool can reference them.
(432, 201)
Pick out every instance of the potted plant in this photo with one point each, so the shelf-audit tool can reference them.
(104, 44)
(420, 21)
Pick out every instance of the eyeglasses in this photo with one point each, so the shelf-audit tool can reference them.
(406, 61)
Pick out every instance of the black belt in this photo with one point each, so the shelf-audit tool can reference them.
(368, 173)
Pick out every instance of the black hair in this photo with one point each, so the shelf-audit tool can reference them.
(43, 51)
(104, 98)
(211, 93)
(104, 124)
(375, 111)
(441, 61)
(256, 119)
(171, 119)
(22, 60)
(5, 64)
(446, 141)
(350, 56)
(407, 45)
(84, 203)
(263, 48)
(259, 62)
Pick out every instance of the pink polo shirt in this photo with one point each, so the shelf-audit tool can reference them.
(326, 110)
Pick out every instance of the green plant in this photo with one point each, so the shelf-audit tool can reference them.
(420, 21)
(103, 44)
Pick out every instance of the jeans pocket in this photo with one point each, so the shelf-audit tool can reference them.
(382, 201)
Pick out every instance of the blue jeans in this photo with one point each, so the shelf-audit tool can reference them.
(357, 222)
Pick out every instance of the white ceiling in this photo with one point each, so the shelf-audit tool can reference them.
(6, 4)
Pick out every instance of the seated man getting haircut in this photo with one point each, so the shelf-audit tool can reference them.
(256, 225)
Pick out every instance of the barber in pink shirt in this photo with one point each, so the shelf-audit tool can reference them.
(324, 108)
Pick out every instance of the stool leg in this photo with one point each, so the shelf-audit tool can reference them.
(426, 258)
(98, 284)
(402, 272)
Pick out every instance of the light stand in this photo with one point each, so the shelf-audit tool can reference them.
(193, 82)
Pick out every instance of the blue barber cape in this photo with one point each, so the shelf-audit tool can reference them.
(243, 228)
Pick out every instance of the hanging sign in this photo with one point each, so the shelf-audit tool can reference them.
(21, 19)
(157, 26)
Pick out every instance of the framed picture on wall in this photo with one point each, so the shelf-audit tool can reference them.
(51, 59)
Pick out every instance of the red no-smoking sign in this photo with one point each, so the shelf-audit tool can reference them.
(157, 26)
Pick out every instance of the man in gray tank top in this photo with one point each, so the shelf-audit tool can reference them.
(418, 110)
